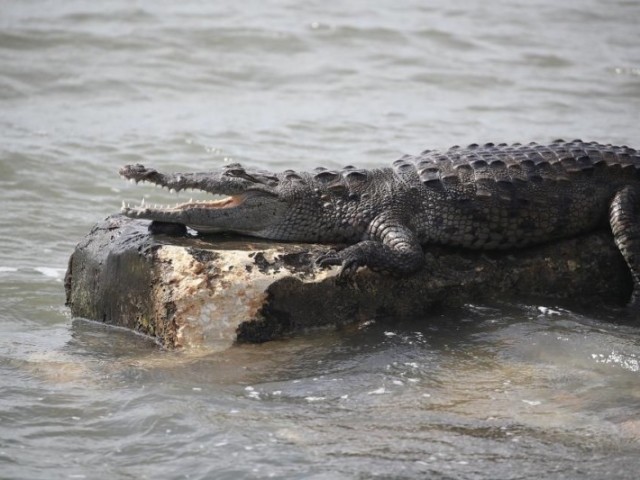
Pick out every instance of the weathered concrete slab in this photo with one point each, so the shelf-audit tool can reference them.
(210, 293)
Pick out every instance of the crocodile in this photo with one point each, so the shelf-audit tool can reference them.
(483, 197)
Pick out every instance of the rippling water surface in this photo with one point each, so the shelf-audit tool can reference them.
(509, 391)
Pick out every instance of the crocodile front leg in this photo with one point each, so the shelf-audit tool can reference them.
(625, 225)
(392, 248)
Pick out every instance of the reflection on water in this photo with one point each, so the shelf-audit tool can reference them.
(524, 390)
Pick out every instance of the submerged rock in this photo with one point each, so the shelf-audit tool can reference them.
(211, 292)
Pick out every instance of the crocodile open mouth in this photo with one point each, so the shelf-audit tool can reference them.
(227, 202)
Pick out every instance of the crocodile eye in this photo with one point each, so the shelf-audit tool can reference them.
(234, 172)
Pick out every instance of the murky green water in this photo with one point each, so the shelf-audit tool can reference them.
(509, 391)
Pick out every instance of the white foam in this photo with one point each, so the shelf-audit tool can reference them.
(314, 399)
(57, 273)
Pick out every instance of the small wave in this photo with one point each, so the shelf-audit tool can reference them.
(56, 273)
(635, 72)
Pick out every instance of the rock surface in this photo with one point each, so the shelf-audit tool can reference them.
(212, 292)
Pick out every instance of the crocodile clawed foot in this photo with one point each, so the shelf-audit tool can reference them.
(328, 259)
(347, 272)
(333, 258)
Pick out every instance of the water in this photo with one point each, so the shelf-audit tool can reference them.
(509, 391)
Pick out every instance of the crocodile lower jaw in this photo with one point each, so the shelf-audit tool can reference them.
(227, 202)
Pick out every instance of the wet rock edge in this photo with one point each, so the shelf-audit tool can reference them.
(113, 274)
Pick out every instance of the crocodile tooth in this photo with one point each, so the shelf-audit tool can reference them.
(191, 200)
(142, 202)
(172, 190)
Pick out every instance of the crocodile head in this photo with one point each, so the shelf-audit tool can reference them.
(252, 203)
